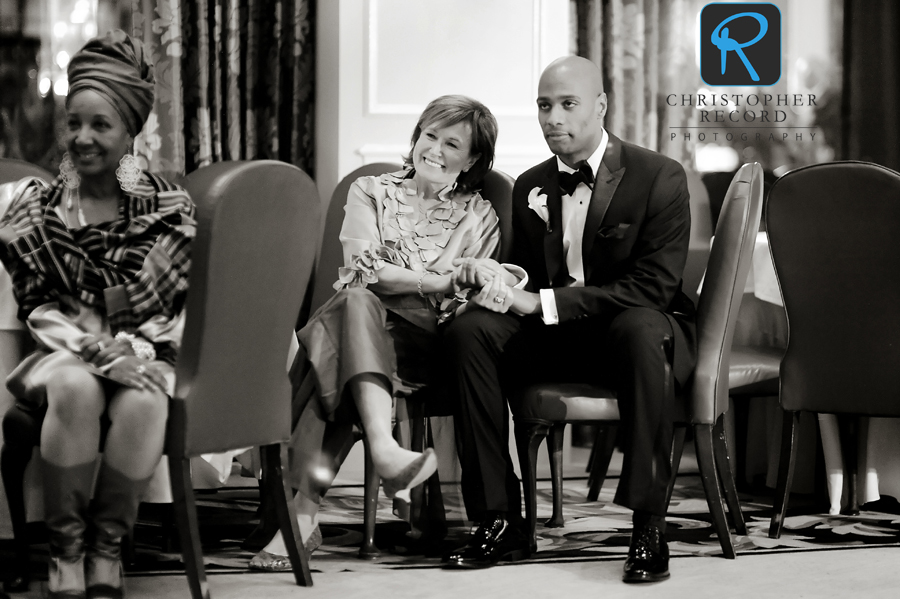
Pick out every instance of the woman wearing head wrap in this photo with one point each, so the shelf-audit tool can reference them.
(99, 262)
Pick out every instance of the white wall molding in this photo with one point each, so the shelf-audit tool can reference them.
(379, 62)
(541, 24)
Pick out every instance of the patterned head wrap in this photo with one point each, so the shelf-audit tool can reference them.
(117, 67)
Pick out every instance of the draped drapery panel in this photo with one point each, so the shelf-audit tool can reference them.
(870, 123)
(646, 52)
(234, 81)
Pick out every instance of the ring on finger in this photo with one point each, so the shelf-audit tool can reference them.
(499, 300)
(141, 369)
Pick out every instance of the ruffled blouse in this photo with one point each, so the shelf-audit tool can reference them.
(382, 225)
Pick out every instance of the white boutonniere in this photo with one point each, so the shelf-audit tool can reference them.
(537, 201)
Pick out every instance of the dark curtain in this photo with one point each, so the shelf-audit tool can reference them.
(871, 127)
(26, 119)
(235, 81)
(644, 52)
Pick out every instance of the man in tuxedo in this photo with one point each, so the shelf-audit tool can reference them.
(602, 231)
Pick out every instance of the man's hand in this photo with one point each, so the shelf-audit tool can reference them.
(496, 296)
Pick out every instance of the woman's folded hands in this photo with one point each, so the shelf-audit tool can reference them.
(101, 349)
(116, 359)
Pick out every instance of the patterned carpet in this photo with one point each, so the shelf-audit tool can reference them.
(593, 531)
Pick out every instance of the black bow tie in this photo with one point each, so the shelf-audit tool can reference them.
(569, 181)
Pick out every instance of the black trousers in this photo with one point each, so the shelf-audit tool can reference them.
(491, 354)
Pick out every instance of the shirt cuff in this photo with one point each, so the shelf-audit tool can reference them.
(548, 307)
(519, 273)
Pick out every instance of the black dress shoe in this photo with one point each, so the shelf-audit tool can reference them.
(496, 539)
(648, 556)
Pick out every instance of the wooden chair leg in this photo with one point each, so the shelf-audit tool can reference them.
(600, 435)
(848, 431)
(13, 463)
(261, 535)
(528, 440)
(169, 541)
(589, 467)
(605, 442)
(677, 451)
(128, 552)
(368, 550)
(726, 475)
(186, 518)
(741, 406)
(785, 472)
(703, 440)
(273, 458)
(555, 449)
(418, 433)
(436, 515)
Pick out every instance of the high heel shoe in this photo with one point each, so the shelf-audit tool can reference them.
(272, 562)
(413, 475)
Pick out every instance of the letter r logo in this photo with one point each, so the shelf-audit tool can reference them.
(740, 44)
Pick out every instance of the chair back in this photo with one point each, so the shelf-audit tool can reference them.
(497, 189)
(701, 233)
(723, 287)
(833, 232)
(13, 170)
(257, 234)
(331, 253)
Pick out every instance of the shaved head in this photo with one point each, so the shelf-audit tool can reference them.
(571, 107)
(575, 68)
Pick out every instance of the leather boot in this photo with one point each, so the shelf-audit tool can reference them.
(67, 491)
(112, 515)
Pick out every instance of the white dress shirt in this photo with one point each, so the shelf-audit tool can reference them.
(574, 213)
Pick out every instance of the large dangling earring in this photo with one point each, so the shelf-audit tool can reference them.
(128, 173)
(71, 178)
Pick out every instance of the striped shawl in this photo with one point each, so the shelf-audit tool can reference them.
(130, 269)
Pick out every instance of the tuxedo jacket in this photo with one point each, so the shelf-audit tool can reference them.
(634, 247)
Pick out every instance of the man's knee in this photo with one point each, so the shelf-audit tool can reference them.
(472, 329)
(640, 330)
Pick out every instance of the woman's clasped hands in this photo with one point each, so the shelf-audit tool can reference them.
(115, 357)
(489, 278)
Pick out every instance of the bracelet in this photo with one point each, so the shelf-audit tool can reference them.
(419, 284)
(142, 348)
